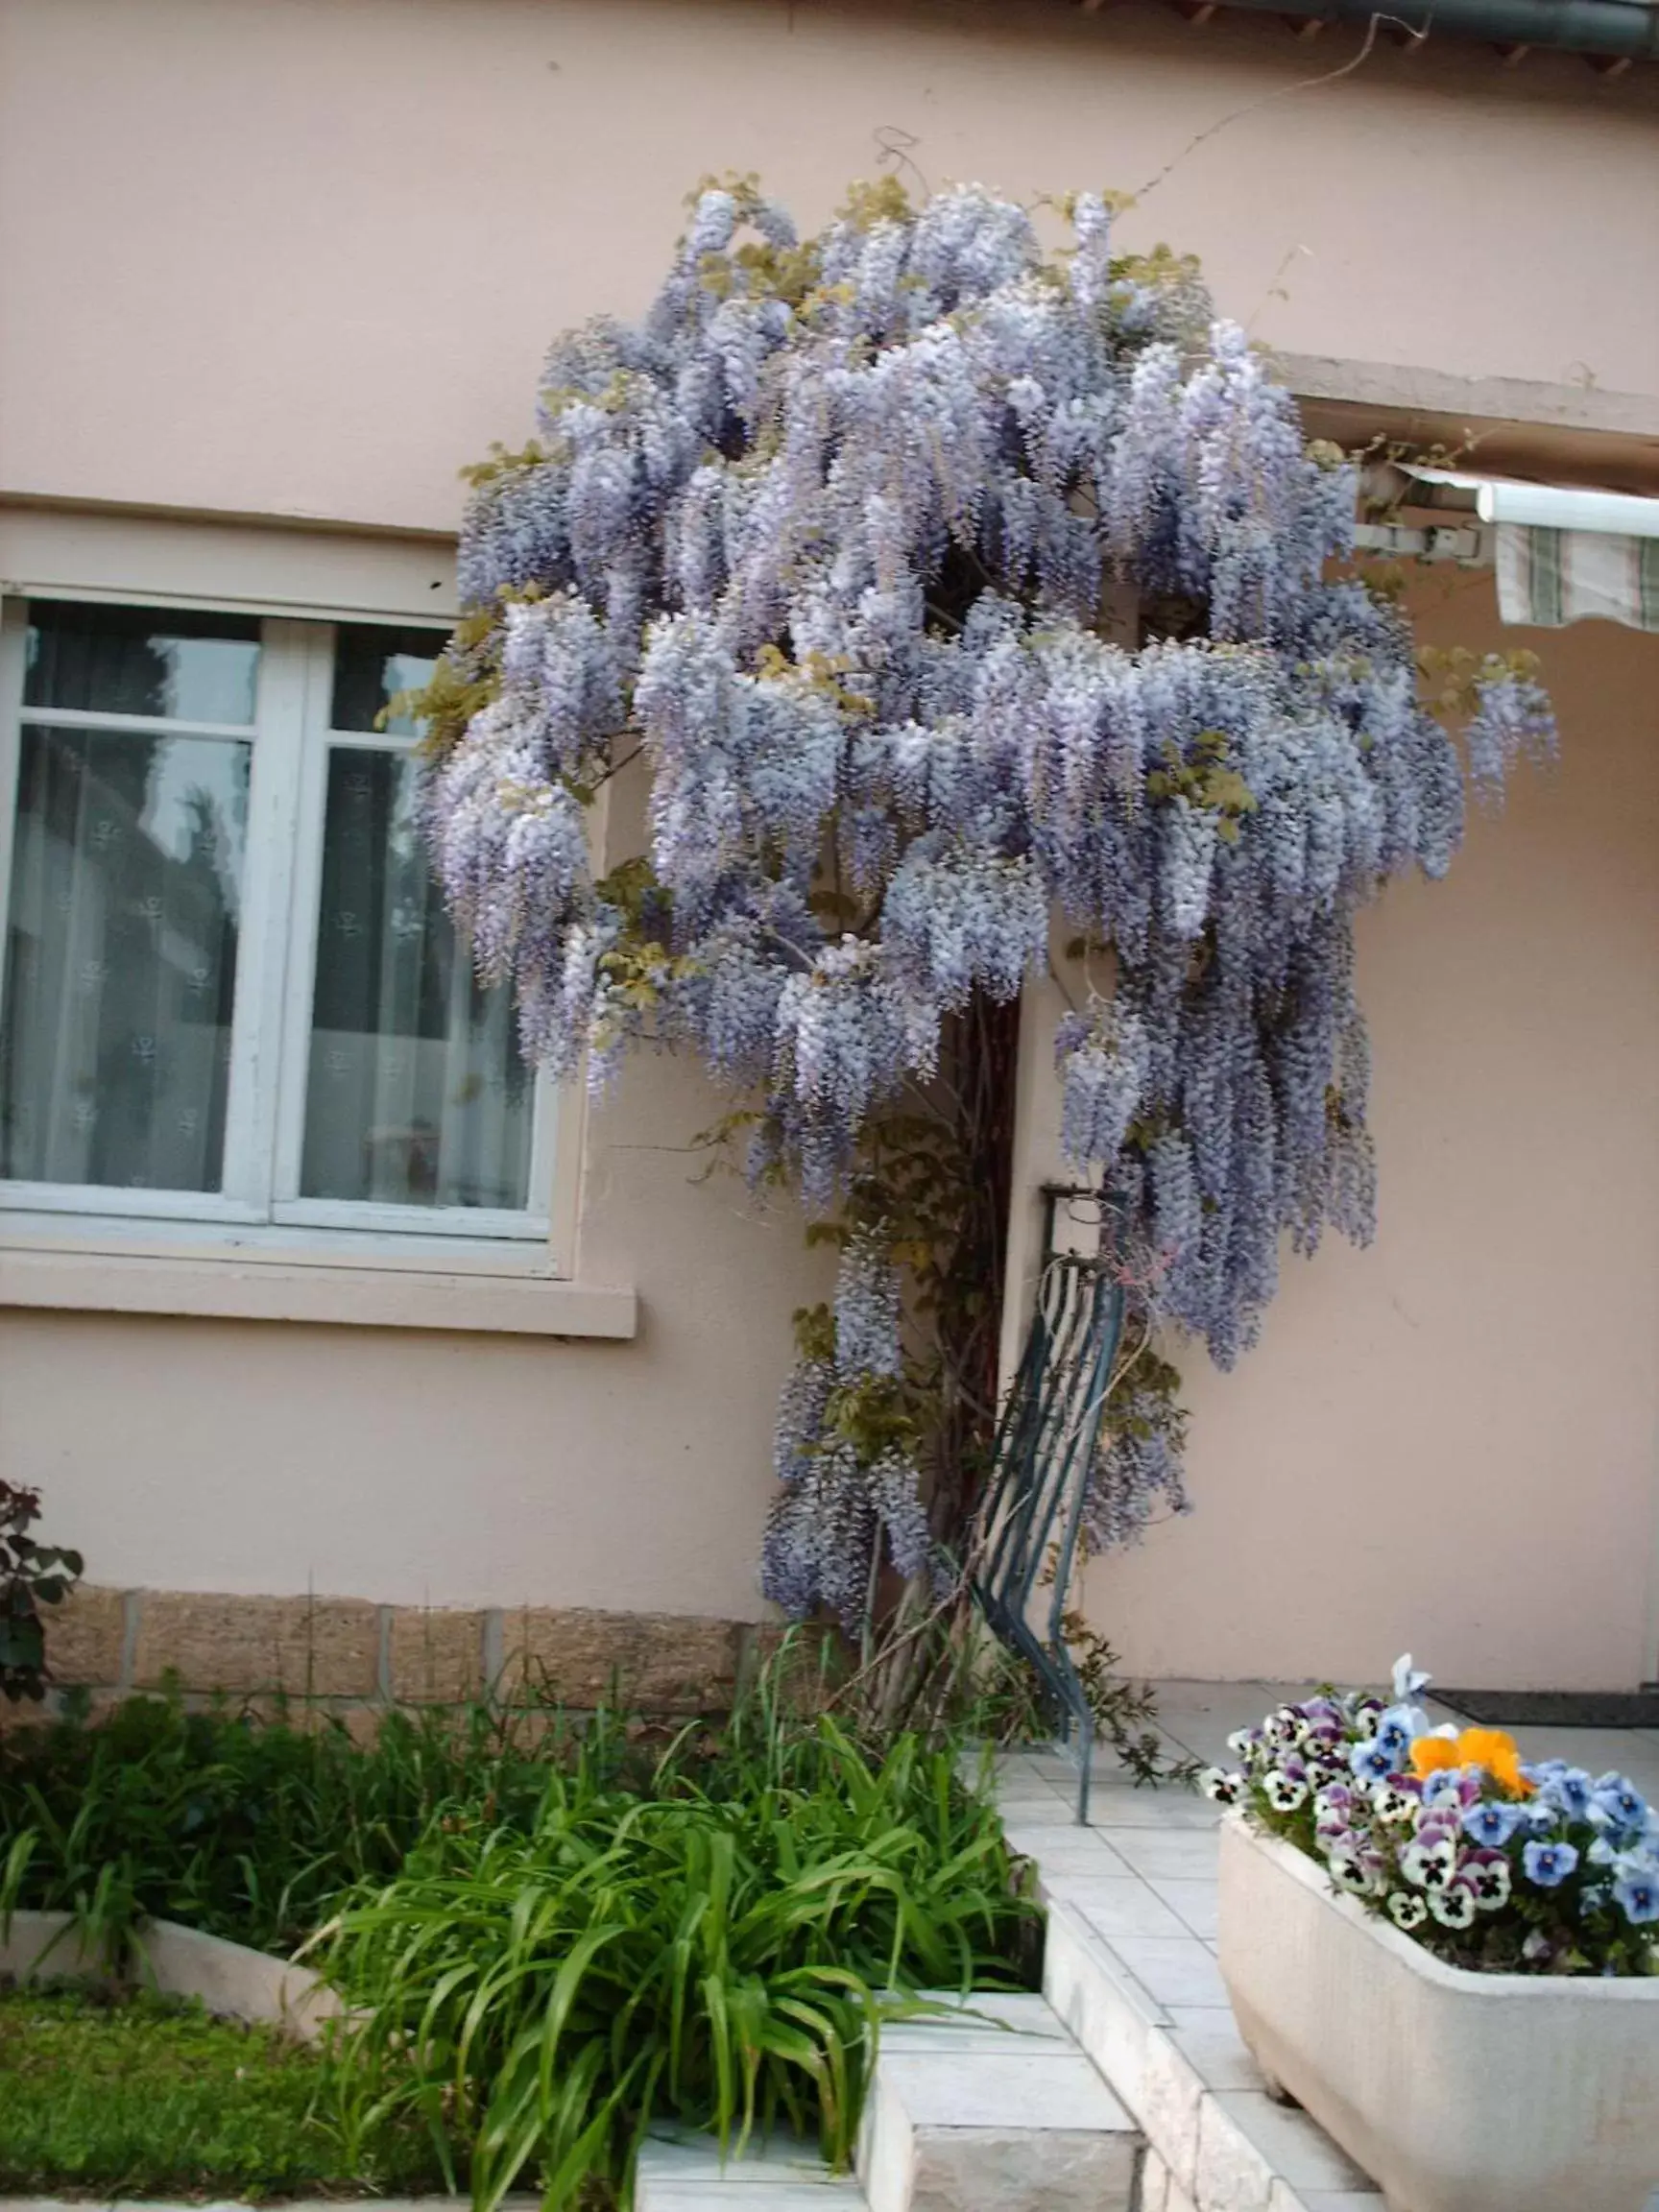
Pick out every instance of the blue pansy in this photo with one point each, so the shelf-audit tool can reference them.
(1394, 1732)
(1569, 1791)
(1371, 1761)
(1491, 1823)
(1637, 1895)
(1616, 1800)
(1548, 1863)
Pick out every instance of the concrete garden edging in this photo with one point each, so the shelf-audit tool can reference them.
(1459, 2092)
(230, 1980)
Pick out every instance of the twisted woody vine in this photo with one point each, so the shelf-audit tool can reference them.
(833, 548)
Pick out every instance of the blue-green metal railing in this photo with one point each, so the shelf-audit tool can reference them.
(1046, 1441)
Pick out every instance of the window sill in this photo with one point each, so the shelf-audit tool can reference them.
(495, 1291)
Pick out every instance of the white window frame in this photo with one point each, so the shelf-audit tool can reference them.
(259, 1201)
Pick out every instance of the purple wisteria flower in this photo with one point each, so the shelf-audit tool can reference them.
(823, 541)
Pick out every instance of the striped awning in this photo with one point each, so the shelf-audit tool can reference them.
(1549, 578)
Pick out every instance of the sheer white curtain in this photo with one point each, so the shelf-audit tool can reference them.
(128, 854)
(415, 1093)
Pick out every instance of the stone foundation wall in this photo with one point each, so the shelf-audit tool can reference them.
(348, 1654)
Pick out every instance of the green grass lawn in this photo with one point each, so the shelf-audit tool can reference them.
(150, 2098)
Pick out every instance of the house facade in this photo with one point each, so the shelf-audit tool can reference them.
(354, 1356)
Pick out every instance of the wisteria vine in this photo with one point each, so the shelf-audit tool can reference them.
(832, 538)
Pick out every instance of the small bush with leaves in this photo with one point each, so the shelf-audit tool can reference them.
(242, 1826)
(718, 1948)
(552, 1932)
(32, 1574)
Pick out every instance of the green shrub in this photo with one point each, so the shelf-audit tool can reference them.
(719, 1948)
(552, 1933)
(244, 1826)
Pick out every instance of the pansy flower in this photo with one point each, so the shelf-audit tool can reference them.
(1549, 1865)
(1429, 1865)
(1569, 1791)
(1433, 1755)
(1615, 1802)
(1637, 1895)
(1285, 1793)
(1220, 1787)
(1490, 1821)
(1395, 1731)
(1370, 1761)
(1442, 1817)
(1490, 1879)
(1408, 1910)
(1452, 1790)
(1489, 1748)
(1392, 1803)
(1349, 1871)
(1454, 1906)
(1365, 1714)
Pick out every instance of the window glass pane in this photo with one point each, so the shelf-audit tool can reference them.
(121, 958)
(372, 664)
(415, 1091)
(142, 660)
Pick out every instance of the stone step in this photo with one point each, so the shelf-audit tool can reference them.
(684, 2172)
(1215, 2142)
(997, 2111)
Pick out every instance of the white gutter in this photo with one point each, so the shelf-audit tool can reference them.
(1551, 506)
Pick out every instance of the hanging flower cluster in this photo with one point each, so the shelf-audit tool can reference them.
(1481, 1857)
(830, 535)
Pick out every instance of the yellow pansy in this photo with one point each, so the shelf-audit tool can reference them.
(1430, 1754)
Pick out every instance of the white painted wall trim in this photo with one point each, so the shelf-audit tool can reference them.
(257, 569)
(322, 1288)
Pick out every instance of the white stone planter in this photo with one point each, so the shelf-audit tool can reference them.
(228, 1978)
(1456, 2092)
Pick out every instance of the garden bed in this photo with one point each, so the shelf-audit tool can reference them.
(542, 1937)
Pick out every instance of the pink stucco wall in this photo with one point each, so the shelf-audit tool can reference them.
(300, 257)
(304, 255)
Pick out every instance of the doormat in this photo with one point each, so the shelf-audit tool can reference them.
(1554, 1708)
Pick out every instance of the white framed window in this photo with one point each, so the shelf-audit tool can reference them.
(229, 992)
